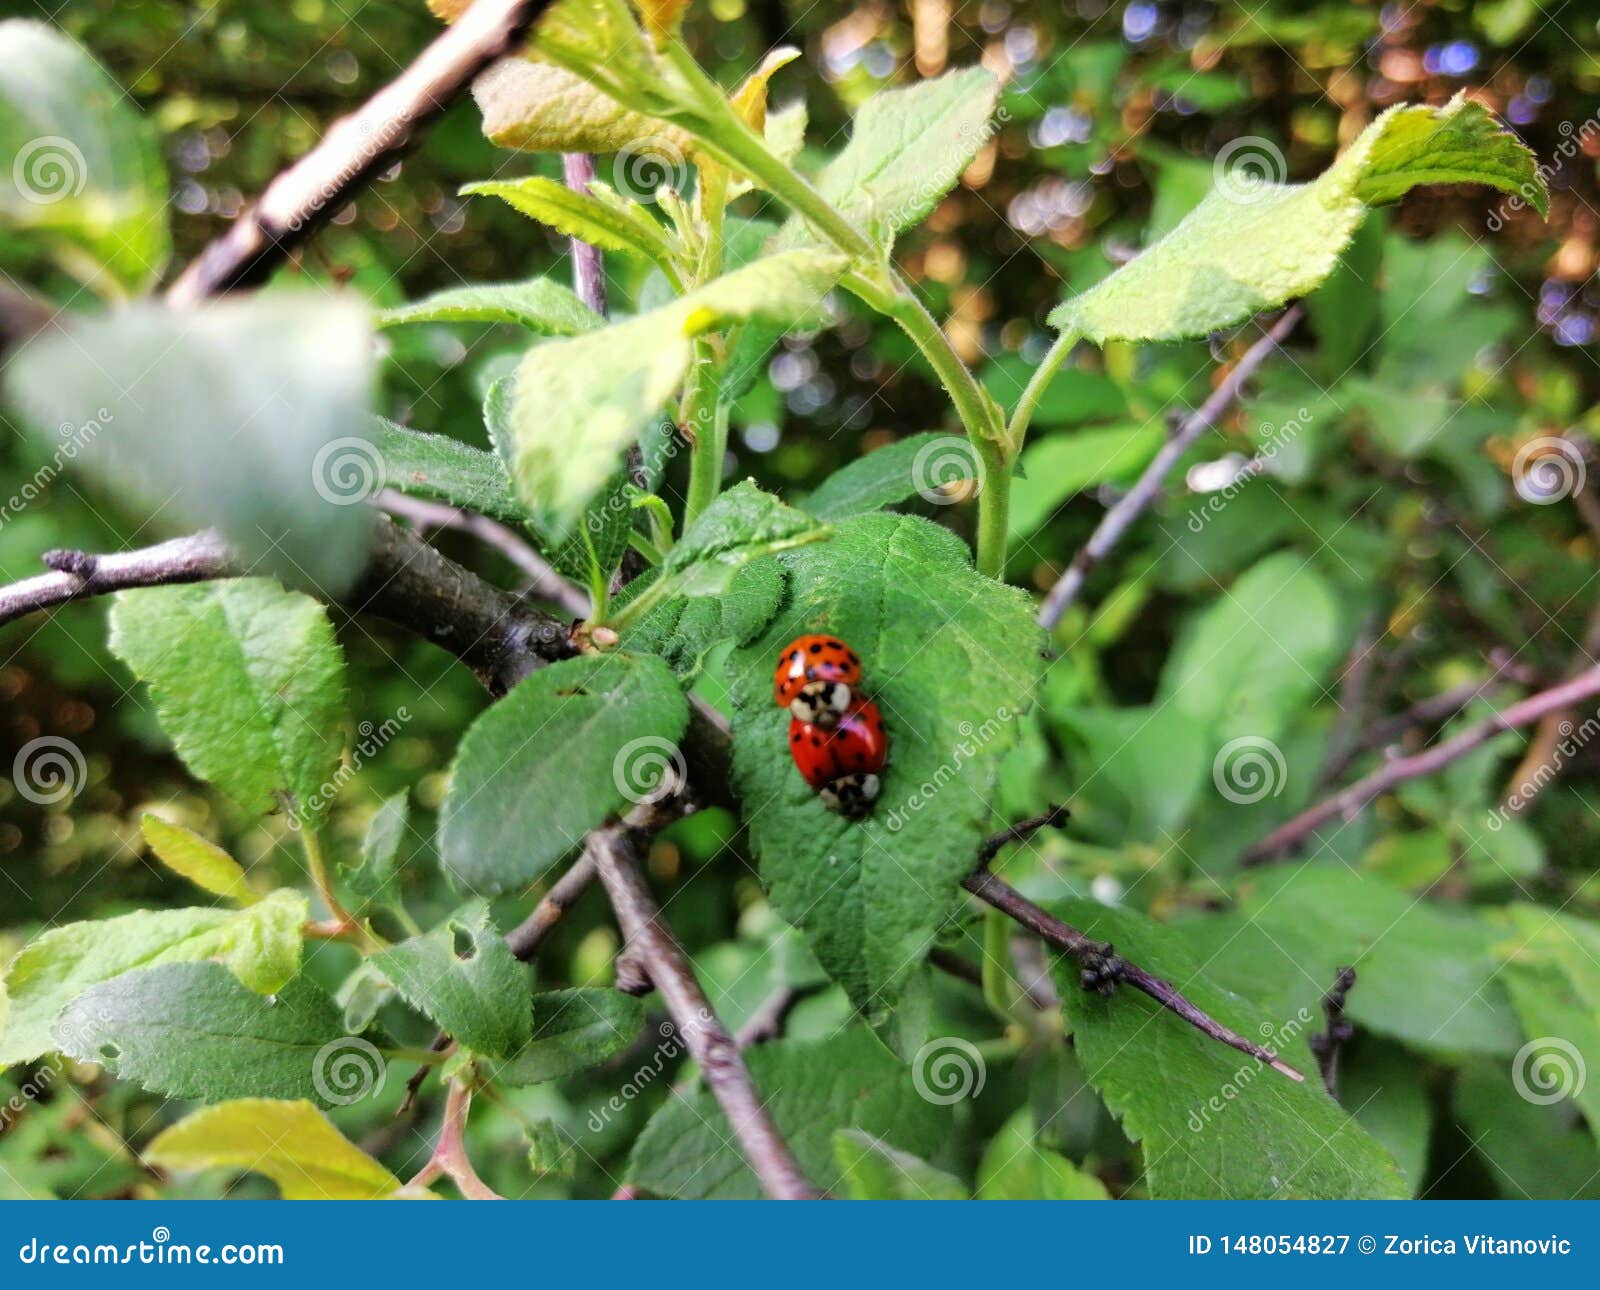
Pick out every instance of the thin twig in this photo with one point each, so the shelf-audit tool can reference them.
(77, 575)
(714, 1050)
(1327, 1043)
(1346, 803)
(1116, 522)
(355, 150)
(767, 1021)
(588, 261)
(543, 580)
(1053, 818)
(450, 1159)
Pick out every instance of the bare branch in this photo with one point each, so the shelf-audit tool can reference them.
(588, 262)
(714, 1050)
(1348, 802)
(1119, 519)
(355, 150)
(77, 575)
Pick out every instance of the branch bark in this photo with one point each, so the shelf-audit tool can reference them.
(1119, 519)
(355, 150)
(1348, 802)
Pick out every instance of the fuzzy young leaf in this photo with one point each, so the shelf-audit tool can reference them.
(191, 1030)
(579, 403)
(881, 478)
(873, 1170)
(813, 1089)
(906, 151)
(953, 659)
(1211, 1123)
(573, 1030)
(681, 630)
(435, 465)
(292, 1143)
(581, 216)
(191, 856)
(249, 684)
(540, 304)
(84, 174)
(259, 945)
(1253, 245)
(463, 976)
(539, 107)
(569, 746)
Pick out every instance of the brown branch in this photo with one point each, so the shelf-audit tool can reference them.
(1346, 803)
(356, 149)
(77, 575)
(1116, 522)
(450, 1159)
(714, 1050)
(1327, 1044)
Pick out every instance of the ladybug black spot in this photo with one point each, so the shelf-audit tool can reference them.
(816, 649)
(855, 659)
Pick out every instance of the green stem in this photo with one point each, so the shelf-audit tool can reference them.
(1038, 383)
(705, 423)
(994, 508)
(1000, 991)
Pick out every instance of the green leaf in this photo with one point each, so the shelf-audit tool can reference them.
(1016, 1167)
(540, 304)
(873, 1170)
(463, 976)
(191, 1030)
(582, 216)
(246, 415)
(1534, 1152)
(248, 682)
(260, 945)
(813, 1089)
(1212, 1122)
(375, 881)
(435, 465)
(1386, 1089)
(907, 149)
(573, 1030)
(881, 478)
(1249, 663)
(571, 745)
(1063, 465)
(1149, 765)
(579, 403)
(1253, 245)
(84, 172)
(292, 1143)
(539, 107)
(683, 629)
(1552, 971)
(952, 660)
(191, 856)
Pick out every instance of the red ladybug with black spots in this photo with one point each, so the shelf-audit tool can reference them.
(843, 762)
(816, 678)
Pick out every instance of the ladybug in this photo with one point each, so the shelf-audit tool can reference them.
(842, 764)
(815, 678)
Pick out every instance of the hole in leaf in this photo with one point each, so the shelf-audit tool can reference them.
(109, 1054)
(465, 947)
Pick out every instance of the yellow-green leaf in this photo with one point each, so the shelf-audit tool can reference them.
(190, 856)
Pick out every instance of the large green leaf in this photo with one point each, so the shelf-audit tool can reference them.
(292, 1143)
(463, 976)
(907, 149)
(540, 304)
(682, 629)
(1016, 1166)
(191, 1030)
(83, 170)
(571, 745)
(249, 683)
(1062, 465)
(1253, 244)
(883, 477)
(1534, 1151)
(952, 659)
(260, 945)
(1212, 1122)
(873, 1170)
(579, 403)
(539, 107)
(573, 1030)
(245, 415)
(812, 1088)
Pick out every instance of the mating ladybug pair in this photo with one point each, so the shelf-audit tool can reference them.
(835, 735)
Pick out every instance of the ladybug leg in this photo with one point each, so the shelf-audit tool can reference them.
(821, 703)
